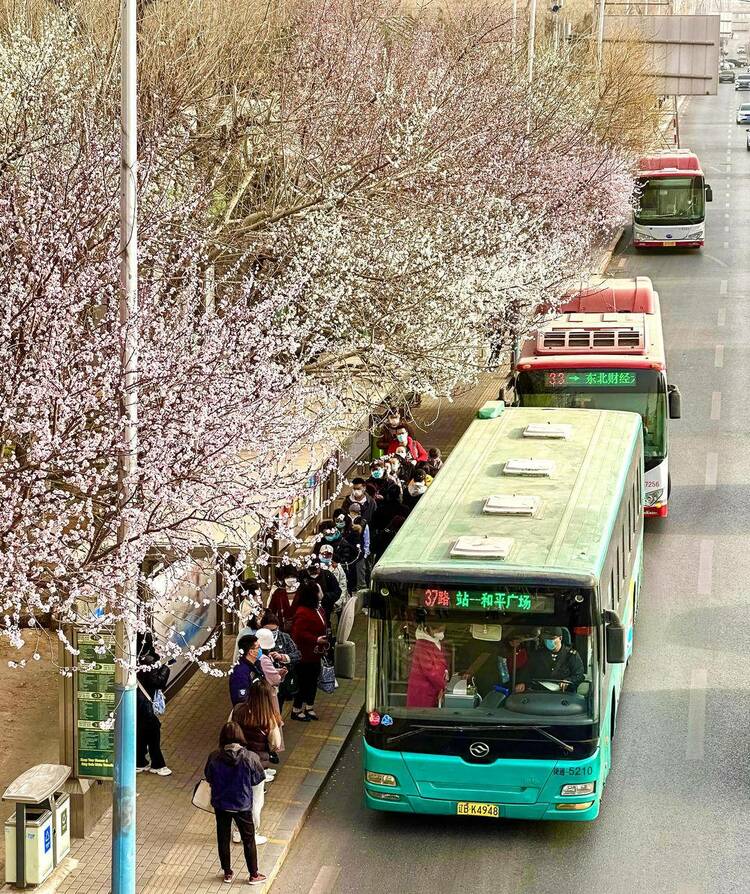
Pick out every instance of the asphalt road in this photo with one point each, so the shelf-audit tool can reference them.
(676, 814)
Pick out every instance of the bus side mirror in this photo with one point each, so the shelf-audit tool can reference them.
(616, 639)
(675, 402)
(709, 194)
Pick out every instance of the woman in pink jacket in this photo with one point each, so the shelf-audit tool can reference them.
(429, 668)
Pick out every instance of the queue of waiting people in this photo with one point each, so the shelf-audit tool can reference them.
(284, 641)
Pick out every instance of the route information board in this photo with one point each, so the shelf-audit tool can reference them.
(94, 702)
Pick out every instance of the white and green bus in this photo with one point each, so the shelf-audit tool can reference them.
(501, 620)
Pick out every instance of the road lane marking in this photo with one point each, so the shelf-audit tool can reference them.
(721, 317)
(712, 470)
(326, 878)
(723, 287)
(716, 406)
(621, 263)
(715, 259)
(726, 229)
(705, 567)
(726, 245)
(696, 719)
(719, 357)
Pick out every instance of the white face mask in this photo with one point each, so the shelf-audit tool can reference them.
(291, 585)
(417, 488)
(358, 494)
(401, 452)
(439, 636)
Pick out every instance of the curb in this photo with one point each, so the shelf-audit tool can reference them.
(305, 797)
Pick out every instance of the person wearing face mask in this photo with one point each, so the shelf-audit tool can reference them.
(365, 503)
(285, 653)
(328, 562)
(416, 489)
(326, 579)
(429, 667)
(247, 670)
(283, 601)
(359, 536)
(390, 426)
(414, 450)
(553, 661)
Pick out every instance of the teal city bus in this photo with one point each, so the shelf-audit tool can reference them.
(501, 620)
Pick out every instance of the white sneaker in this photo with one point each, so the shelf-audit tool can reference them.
(260, 839)
(141, 769)
(236, 837)
(162, 771)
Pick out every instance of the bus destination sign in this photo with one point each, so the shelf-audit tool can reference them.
(484, 600)
(604, 378)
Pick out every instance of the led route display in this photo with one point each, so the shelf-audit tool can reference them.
(486, 600)
(595, 379)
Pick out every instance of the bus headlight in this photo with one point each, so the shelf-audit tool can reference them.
(698, 234)
(381, 778)
(578, 788)
(654, 496)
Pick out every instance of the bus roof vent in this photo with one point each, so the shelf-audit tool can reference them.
(512, 504)
(535, 468)
(548, 430)
(473, 547)
(598, 338)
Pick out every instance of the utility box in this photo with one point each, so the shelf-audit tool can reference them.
(37, 835)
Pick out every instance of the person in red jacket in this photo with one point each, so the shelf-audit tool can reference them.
(429, 668)
(309, 635)
(283, 603)
(413, 447)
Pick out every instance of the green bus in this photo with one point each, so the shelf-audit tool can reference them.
(501, 620)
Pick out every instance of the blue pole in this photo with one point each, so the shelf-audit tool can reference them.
(123, 797)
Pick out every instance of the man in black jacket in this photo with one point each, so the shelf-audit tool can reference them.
(246, 671)
(555, 661)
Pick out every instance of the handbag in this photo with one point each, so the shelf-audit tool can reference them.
(158, 702)
(202, 796)
(327, 678)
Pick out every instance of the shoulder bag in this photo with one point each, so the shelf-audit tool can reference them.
(202, 796)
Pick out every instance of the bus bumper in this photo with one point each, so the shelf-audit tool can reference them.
(484, 784)
(415, 804)
(676, 244)
(660, 510)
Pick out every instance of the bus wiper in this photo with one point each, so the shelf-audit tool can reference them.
(446, 728)
(548, 735)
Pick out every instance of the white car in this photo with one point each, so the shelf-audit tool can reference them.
(743, 113)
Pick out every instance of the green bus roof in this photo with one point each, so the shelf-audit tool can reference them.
(565, 541)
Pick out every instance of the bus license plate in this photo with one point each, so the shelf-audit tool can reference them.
(669, 244)
(475, 808)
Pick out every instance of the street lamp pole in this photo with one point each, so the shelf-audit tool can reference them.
(600, 35)
(532, 37)
(123, 806)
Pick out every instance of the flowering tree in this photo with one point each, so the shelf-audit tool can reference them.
(368, 209)
(224, 406)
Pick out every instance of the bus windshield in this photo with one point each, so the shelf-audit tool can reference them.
(665, 201)
(442, 654)
(636, 391)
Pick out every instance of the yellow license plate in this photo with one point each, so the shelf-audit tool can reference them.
(476, 808)
(669, 244)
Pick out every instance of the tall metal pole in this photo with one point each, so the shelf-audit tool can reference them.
(123, 807)
(532, 37)
(600, 35)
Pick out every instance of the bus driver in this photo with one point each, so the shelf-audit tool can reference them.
(554, 661)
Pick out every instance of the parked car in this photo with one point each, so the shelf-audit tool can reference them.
(747, 140)
(726, 76)
(742, 82)
(743, 113)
